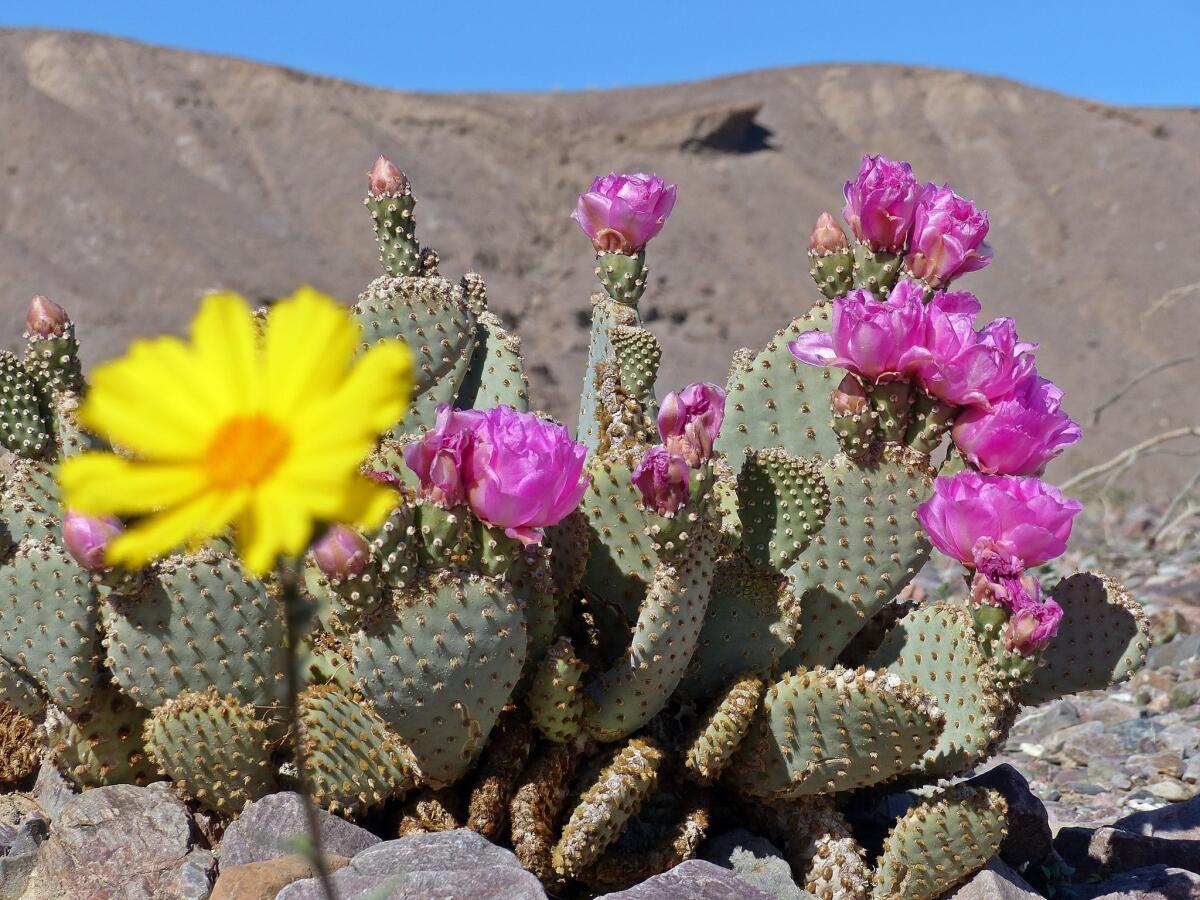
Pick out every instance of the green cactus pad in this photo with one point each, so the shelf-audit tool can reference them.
(30, 504)
(631, 692)
(722, 730)
(503, 761)
(496, 376)
(821, 731)
(354, 761)
(833, 272)
(613, 797)
(23, 427)
(196, 622)
(342, 602)
(69, 436)
(876, 270)
(567, 544)
(892, 403)
(774, 400)
(49, 616)
(555, 700)
(102, 743)
(750, 624)
(1102, 640)
(214, 749)
(537, 802)
(935, 649)
(19, 691)
(531, 581)
(394, 546)
(395, 230)
(607, 317)
(440, 664)
(782, 503)
(870, 548)
(623, 275)
(431, 317)
(54, 362)
(929, 421)
(940, 842)
(638, 354)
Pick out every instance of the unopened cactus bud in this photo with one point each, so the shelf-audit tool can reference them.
(849, 398)
(827, 236)
(342, 552)
(1031, 627)
(663, 478)
(853, 418)
(690, 421)
(385, 177)
(87, 538)
(46, 319)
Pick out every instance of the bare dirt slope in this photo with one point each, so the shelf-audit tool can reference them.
(133, 178)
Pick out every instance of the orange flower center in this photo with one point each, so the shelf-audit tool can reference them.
(245, 452)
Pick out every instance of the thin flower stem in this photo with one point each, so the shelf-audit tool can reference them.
(296, 617)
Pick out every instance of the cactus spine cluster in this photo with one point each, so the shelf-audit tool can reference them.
(585, 699)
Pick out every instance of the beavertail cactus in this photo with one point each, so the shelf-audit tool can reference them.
(589, 645)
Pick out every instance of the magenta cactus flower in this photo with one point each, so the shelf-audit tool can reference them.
(522, 473)
(881, 202)
(872, 338)
(46, 319)
(621, 213)
(87, 538)
(690, 421)
(1020, 433)
(962, 366)
(947, 236)
(663, 478)
(1032, 626)
(996, 525)
(342, 552)
(439, 457)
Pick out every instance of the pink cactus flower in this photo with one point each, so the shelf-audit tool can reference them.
(621, 213)
(46, 319)
(827, 236)
(962, 366)
(947, 236)
(342, 552)
(1032, 626)
(1020, 433)
(439, 457)
(690, 421)
(873, 338)
(87, 538)
(996, 525)
(663, 478)
(880, 203)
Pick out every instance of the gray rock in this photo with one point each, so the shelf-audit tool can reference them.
(136, 843)
(1180, 821)
(1029, 840)
(485, 883)
(1183, 648)
(269, 828)
(1153, 883)
(997, 881)
(444, 851)
(757, 861)
(695, 880)
(19, 854)
(1110, 850)
(51, 791)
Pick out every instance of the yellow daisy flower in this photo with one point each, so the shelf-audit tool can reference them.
(266, 435)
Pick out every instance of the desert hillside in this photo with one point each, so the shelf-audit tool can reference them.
(134, 178)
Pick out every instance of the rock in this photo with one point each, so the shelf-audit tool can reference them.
(1110, 850)
(1183, 648)
(725, 127)
(696, 880)
(268, 828)
(1171, 791)
(757, 861)
(449, 865)
(51, 790)
(997, 881)
(264, 880)
(136, 843)
(19, 853)
(1153, 883)
(1029, 840)
(1043, 724)
(1180, 821)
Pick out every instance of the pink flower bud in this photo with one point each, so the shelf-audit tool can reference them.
(947, 236)
(46, 319)
(621, 213)
(87, 538)
(385, 177)
(663, 478)
(342, 552)
(690, 421)
(827, 236)
(880, 203)
(849, 398)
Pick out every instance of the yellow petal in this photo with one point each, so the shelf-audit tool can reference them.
(277, 522)
(310, 342)
(226, 349)
(101, 484)
(372, 399)
(366, 504)
(188, 523)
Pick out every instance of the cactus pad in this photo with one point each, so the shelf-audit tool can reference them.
(507, 753)
(536, 804)
(554, 698)
(102, 743)
(782, 504)
(395, 231)
(496, 376)
(29, 503)
(23, 428)
(722, 730)
(832, 272)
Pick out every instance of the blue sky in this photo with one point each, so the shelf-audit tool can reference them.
(1120, 52)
